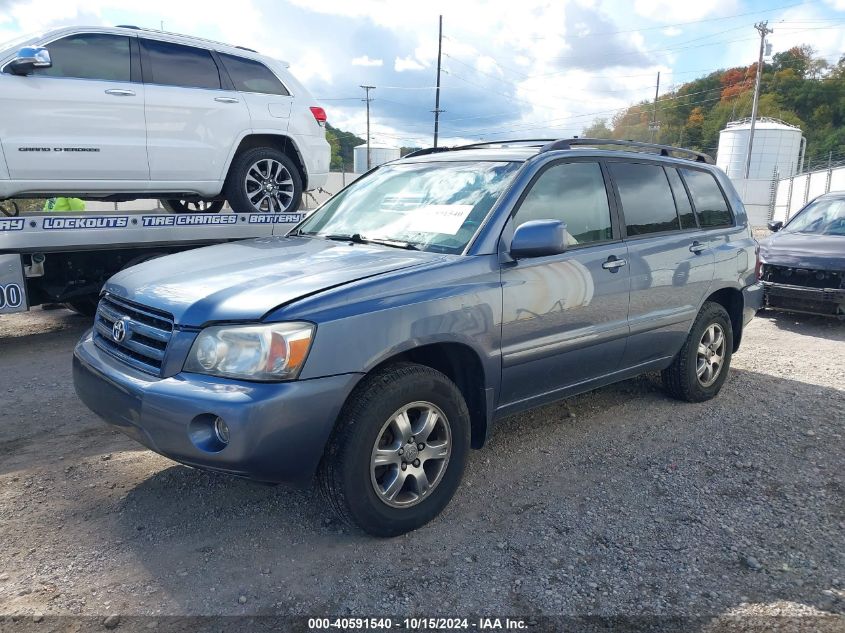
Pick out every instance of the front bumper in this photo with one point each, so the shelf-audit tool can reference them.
(821, 301)
(278, 431)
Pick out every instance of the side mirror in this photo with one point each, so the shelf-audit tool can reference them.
(775, 225)
(538, 238)
(29, 58)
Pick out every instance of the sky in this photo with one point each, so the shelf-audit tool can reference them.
(528, 69)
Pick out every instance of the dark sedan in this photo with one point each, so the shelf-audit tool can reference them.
(802, 266)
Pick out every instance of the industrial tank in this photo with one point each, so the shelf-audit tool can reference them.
(379, 154)
(777, 145)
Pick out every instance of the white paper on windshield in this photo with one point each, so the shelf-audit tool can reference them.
(439, 218)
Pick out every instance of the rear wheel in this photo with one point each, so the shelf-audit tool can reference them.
(192, 206)
(263, 180)
(701, 367)
(399, 451)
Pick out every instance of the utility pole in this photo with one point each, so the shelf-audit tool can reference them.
(763, 29)
(367, 99)
(654, 125)
(437, 109)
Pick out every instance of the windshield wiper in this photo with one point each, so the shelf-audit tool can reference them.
(408, 246)
(357, 238)
(341, 237)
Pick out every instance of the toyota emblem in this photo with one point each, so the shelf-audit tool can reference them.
(118, 331)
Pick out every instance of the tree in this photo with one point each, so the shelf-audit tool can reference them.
(598, 129)
(342, 144)
(797, 87)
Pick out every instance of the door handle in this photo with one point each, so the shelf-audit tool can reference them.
(613, 264)
(226, 99)
(117, 92)
(697, 247)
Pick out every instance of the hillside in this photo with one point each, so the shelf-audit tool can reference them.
(342, 144)
(796, 87)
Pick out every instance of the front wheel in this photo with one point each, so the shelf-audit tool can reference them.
(399, 450)
(263, 180)
(192, 206)
(701, 367)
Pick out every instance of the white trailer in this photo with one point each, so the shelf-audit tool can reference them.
(62, 257)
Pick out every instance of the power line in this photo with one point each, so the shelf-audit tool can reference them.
(368, 99)
(437, 109)
(763, 29)
(716, 19)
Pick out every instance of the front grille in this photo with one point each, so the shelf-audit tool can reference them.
(147, 333)
(807, 277)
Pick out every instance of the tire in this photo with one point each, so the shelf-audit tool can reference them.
(688, 377)
(86, 305)
(357, 489)
(267, 168)
(192, 206)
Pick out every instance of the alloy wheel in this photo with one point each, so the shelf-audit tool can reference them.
(711, 355)
(410, 454)
(269, 186)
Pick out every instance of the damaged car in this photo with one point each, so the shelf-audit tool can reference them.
(802, 266)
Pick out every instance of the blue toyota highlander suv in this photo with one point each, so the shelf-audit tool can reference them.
(382, 338)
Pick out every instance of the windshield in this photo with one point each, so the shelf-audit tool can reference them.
(822, 217)
(428, 206)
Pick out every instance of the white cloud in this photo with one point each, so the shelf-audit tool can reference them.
(671, 31)
(401, 64)
(364, 60)
(675, 11)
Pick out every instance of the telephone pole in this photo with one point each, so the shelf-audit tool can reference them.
(654, 125)
(763, 29)
(367, 99)
(437, 109)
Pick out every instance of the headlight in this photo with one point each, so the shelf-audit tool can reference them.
(251, 352)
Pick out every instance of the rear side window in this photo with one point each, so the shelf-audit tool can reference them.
(647, 202)
(710, 204)
(682, 203)
(89, 56)
(249, 75)
(575, 194)
(176, 65)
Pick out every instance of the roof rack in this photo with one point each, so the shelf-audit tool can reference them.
(550, 145)
(521, 141)
(663, 150)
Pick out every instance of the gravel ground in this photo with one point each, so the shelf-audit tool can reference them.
(618, 502)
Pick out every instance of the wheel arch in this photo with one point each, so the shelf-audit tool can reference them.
(731, 300)
(463, 366)
(281, 142)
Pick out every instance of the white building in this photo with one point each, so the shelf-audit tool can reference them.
(379, 154)
(777, 146)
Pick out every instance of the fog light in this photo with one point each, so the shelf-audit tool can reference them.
(209, 433)
(221, 431)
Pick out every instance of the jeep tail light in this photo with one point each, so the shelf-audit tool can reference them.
(319, 114)
(758, 267)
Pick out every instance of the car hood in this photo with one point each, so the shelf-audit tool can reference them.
(804, 250)
(242, 281)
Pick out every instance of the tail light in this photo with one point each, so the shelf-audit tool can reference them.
(758, 267)
(319, 114)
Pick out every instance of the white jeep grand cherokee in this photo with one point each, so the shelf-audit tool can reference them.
(124, 113)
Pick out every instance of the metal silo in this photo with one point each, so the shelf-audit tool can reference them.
(777, 145)
(379, 154)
